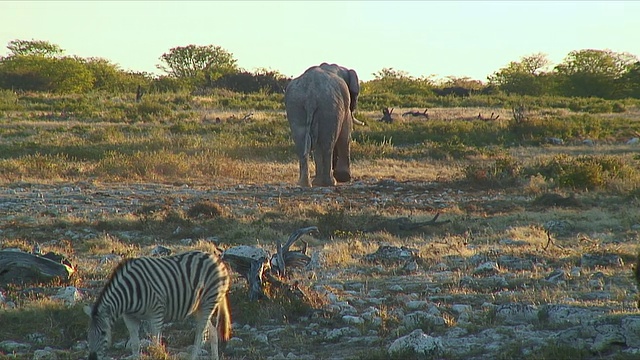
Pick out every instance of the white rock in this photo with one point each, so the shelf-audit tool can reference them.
(419, 318)
(417, 342)
(631, 329)
(110, 258)
(45, 354)
(11, 346)
(70, 295)
(353, 320)
(461, 308)
(554, 141)
(370, 313)
(246, 251)
(417, 304)
(606, 336)
(336, 334)
(576, 271)
(516, 313)
(562, 314)
(489, 267)
(261, 338)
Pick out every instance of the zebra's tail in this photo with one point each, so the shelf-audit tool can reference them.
(224, 319)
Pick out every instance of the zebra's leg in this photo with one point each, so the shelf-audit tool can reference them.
(213, 340)
(133, 325)
(202, 324)
(155, 328)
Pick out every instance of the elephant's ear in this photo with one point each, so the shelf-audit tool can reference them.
(354, 88)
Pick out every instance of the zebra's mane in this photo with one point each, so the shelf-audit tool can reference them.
(118, 268)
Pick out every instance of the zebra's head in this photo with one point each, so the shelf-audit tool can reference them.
(98, 334)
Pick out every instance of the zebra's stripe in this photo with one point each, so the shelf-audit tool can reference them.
(165, 289)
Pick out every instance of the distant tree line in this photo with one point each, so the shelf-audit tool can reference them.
(41, 66)
(585, 73)
(35, 65)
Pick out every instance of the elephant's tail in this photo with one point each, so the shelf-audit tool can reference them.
(309, 128)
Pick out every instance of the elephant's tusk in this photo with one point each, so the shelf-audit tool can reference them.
(358, 122)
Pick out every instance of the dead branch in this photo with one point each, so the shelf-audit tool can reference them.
(386, 115)
(407, 224)
(285, 257)
(490, 118)
(18, 267)
(417, 113)
(257, 266)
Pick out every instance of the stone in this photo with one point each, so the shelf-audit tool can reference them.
(418, 343)
(607, 335)
(516, 313)
(554, 141)
(489, 267)
(45, 354)
(557, 277)
(559, 227)
(69, 295)
(337, 334)
(461, 308)
(160, 250)
(11, 346)
(630, 328)
(417, 304)
(421, 318)
(352, 320)
(603, 260)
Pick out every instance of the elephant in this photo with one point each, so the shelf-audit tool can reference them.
(319, 106)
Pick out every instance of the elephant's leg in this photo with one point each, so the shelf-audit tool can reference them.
(302, 141)
(304, 179)
(342, 155)
(326, 134)
(323, 158)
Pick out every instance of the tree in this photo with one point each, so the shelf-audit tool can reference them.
(594, 73)
(390, 80)
(266, 80)
(38, 73)
(109, 76)
(201, 64)
(524, 77)
(33, 47)
(631, 81)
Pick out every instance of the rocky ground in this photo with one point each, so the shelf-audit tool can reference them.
(488, 296)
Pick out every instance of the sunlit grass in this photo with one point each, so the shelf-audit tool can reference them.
(490, 172)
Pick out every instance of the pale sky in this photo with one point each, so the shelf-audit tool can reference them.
(423, 38)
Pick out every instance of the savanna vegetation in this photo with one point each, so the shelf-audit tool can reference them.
(96, 161)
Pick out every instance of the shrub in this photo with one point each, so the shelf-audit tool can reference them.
(503, 171)
(8, 100)
(586, 172)
(147, 111)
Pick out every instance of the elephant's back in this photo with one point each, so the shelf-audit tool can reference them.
(319, 83)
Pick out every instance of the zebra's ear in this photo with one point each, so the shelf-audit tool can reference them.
(87, 310)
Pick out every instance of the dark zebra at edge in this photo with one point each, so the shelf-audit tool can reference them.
(159, 289)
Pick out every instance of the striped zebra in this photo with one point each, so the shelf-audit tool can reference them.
(159, 289)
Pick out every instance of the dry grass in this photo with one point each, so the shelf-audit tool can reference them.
(202, 185)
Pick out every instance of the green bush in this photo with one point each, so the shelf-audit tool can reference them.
(503, 171)
(147, 110)
(8, 100)
(585, 172)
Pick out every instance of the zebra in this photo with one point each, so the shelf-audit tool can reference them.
(159, 289)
